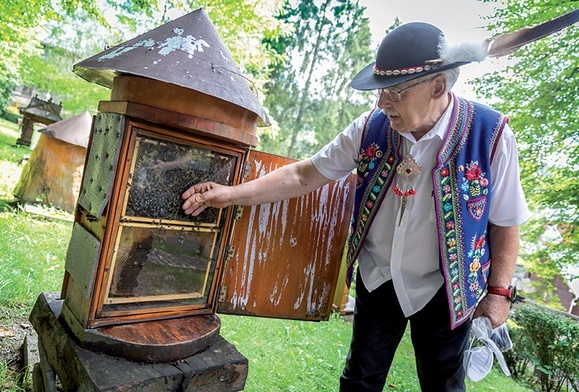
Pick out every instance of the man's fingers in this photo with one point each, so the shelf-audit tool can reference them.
(195, 210)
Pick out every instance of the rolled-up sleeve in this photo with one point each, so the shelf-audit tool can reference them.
(339, 158)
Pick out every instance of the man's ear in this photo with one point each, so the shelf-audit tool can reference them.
(439, 87)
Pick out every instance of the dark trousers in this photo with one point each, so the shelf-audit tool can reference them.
(379, 325)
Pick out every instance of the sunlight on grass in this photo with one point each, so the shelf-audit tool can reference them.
(32, 253)
(32, 248)
(286, 355)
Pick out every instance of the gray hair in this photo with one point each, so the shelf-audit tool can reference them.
(451, 76)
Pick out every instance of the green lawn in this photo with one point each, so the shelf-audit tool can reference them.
(283, 355)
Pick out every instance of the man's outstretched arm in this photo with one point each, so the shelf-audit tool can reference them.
(286, 182)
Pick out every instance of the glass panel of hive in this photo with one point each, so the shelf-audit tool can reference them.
(163, 265)
(162, 170)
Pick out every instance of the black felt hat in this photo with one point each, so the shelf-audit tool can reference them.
(408, 52)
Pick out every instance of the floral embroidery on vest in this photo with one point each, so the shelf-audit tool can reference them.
(462, 212)
(375, 172)
(476, 253)
(475, 188)
(368, 157)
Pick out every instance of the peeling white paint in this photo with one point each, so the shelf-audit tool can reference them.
(324, 208)
(188, 44)
(148, 43)
(240, 299)
(276, 295)
(226, 58)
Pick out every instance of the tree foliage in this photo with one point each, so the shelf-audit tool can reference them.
(40, 40)
(23, 24)
(309, 94)
(539, 93)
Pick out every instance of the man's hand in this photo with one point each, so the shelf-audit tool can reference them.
(495, 307)
(206, 194)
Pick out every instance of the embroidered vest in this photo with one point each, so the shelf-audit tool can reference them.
(461, 180)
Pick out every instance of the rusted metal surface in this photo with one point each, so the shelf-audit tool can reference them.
(287, 255)
(187, 52)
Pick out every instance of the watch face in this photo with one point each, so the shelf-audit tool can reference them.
(513, 293)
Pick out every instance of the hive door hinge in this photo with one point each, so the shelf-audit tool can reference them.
(246, 170)
(222, 294)
(238, 212)
(230, 252)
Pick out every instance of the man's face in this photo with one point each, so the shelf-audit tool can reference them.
(415, 110)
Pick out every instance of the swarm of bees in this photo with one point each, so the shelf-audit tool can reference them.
(164, 170)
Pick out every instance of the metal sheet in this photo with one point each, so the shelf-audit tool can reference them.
(74, 130)
(81, 258)
(187, 52)
(287, 255)
(101, 163)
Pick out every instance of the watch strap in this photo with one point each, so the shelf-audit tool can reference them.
(509, 292)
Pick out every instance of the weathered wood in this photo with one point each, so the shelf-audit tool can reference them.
(172, 98)
(151, 341)
(48, 375)
(288, 254)
(191, 124)
(208, 374)
(53, 174)
(156, 341)
(218, 368)
(29, 351)
(37, 383)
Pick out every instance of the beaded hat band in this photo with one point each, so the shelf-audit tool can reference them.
(403, 71)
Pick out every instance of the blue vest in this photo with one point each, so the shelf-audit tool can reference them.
(461, 180)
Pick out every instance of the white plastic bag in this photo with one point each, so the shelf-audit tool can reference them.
(478, 360)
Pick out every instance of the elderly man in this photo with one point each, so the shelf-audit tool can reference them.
(438, 195)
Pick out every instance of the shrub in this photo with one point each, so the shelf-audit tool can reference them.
(549, 341)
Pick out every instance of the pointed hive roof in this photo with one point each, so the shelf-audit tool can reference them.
(73, 130)
(187, 52)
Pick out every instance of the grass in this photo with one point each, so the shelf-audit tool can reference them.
(289, 355)
(283, 355)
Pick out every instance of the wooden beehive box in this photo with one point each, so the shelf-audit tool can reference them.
(138, 269)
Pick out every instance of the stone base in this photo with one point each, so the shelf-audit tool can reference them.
(64, 365)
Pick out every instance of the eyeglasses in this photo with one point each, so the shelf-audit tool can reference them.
(395, 95)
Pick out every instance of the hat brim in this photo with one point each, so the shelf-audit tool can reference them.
(367, 80)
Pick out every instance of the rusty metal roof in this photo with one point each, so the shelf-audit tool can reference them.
(187, 52)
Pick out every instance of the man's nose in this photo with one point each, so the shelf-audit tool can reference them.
(383, 102)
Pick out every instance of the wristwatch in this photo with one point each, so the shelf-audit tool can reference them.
(509, 292)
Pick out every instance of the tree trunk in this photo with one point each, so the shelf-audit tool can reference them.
(306, 91)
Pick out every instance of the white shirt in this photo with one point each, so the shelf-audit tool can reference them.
(408, 253)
